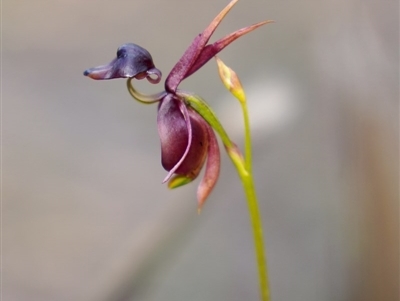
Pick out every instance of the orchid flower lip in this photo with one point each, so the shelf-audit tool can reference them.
(131, 61)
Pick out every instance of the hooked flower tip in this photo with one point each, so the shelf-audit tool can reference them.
(131, 61)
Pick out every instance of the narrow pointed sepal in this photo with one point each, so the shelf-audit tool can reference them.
(213, 49)
(211, 173)
(181, 68)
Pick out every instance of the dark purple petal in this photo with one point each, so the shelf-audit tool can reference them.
(184, 138)
(196, 156)
(174, 130)
(131, 61)
(191, 54)
(211, 50)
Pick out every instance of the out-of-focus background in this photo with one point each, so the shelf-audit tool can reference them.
(84, 214)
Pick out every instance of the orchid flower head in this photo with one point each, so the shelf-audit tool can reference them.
(187, 139)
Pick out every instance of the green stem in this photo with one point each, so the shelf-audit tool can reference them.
(201, 107)
(247, 136)
(254, 211)
(244, 169)
(255, 218)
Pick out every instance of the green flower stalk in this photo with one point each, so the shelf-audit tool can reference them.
(232, 83)
(187, 124)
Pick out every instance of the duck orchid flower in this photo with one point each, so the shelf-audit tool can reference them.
(187, 139)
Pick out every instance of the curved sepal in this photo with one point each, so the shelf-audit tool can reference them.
(179, 71)
(213, 49)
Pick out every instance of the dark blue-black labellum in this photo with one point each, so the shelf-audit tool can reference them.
(132, 61)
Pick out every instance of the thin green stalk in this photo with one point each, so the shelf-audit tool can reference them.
(143, 98)
(242, 165)
(232, 83)
(244, 169)
(247, 136)
(255, 218)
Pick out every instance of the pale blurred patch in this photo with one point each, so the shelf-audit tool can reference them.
(85, 216)
(273, 104)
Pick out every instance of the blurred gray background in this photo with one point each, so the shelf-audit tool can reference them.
(84, 214)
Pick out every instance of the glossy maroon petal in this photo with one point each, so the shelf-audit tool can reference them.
(189, 57)
(184, 138)
(197, 154)
(175, 133)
